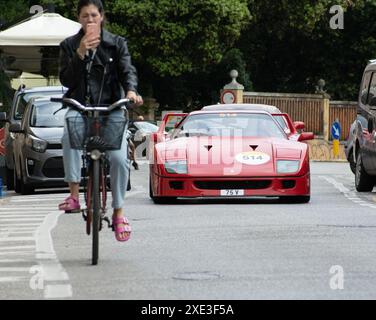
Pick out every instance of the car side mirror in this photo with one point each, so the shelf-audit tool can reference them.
(299, 125)
(306, 136)
(16, 128)
(3, 117)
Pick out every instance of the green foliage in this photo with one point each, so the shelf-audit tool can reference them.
(12, 11)
(175, 37)
(289, 45)
(184, 49)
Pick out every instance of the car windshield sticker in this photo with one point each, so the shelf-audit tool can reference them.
(223, 115)
(252, 158)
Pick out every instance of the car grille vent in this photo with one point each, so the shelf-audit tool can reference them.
(233, 184)
(288, 184)
(53, 168)
(177, 185)
(54, 146)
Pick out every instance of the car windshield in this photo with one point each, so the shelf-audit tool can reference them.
(24, 98)
(42, 115)
(146, 126)
(229, 124)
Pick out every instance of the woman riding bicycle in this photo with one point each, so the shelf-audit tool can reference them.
(97, 69)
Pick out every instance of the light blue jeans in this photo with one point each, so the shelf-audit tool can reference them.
(118, 159)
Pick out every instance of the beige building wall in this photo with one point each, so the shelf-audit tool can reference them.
(33, 80)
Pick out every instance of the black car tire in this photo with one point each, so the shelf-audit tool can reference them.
(25, 188)
(352, 162)
(16, 181)
(295, 199)
(10, 179)
(129, 187)
(363, 181)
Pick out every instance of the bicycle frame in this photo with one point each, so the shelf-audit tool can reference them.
(95, 210)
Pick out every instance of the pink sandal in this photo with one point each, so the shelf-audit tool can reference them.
(70, 205)
(118, 229)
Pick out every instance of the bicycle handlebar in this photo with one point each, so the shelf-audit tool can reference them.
(75, 104)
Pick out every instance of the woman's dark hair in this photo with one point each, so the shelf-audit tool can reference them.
(84, 3)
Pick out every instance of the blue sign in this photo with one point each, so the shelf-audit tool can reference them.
(336, 130)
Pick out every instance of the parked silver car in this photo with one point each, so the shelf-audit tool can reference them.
(16, 111)
(38, 151)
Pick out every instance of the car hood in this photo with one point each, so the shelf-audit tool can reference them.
(52, 135)
(228, 156)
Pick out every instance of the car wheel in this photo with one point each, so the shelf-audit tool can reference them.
(25, 188)
(352, 162)
(363, 181)
(10, 179)
(129, 187)
(16, 181)
(295, 199)
(160, 200)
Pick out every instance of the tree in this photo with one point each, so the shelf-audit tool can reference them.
(174, 37)
(289, 46)
(175, 43)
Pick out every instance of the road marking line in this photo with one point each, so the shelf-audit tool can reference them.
(17, 239)
(12, 279)
(58, 291)
(14, 269)
(17, 226)
(347, 193)
(52, 269)
(16, 247)
(17, 253)
(22, 219)
(20, 215)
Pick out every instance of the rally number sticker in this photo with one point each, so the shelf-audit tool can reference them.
(252, 158)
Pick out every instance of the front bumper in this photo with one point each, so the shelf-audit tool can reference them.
(211, 187)
(44, 169)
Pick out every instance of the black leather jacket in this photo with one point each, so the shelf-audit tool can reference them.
(112, 55)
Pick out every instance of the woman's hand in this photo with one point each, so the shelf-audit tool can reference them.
(138, 101)
(87, 43)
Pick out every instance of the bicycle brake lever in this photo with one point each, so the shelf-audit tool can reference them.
(59, 110)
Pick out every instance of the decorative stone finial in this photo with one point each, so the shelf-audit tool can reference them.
(234, 85)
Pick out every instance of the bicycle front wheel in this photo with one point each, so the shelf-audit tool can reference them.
(96, 211)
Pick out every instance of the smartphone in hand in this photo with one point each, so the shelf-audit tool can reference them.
(93, 31)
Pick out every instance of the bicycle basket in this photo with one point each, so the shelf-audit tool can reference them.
(104, 133)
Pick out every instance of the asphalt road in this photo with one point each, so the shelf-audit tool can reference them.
(217, 249)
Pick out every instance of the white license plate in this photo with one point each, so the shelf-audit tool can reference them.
(232, 192)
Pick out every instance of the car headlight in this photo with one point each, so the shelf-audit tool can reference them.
(287, 166)
(36, 144)
(178, 166)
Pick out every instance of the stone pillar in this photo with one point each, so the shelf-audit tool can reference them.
(326, 124)
(232, 92)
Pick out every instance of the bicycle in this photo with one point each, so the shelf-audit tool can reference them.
(95, 132)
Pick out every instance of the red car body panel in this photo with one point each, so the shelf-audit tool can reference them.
(213, 165)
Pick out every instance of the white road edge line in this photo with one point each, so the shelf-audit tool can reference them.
(51, 268)
(347, 193)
